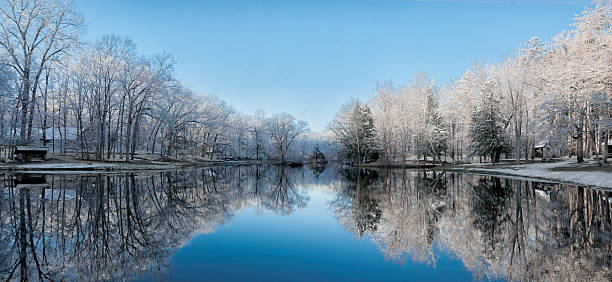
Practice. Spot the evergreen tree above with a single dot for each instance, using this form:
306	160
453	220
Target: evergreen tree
432	138
355	133
487	132
367	135
317	155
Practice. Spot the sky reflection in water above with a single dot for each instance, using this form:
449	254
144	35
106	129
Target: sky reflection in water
267	223
308	245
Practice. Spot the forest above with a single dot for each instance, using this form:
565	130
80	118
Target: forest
499	174
104	100
549	94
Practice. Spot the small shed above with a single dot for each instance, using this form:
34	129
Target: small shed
542	150
27	153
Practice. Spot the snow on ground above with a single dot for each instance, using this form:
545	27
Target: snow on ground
63	172
543	170
92	166
66	166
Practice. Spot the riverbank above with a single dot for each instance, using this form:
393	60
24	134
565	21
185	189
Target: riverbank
406	165
563	170
56	163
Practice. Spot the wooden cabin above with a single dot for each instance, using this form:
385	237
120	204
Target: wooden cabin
543	150
27	153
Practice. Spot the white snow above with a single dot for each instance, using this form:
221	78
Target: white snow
543	170
66	165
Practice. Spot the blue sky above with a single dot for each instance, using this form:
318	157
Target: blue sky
309	57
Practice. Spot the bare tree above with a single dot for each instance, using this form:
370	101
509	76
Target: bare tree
33	33
283	129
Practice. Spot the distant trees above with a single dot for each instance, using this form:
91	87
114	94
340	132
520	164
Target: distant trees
283	129
354	131
405	123
559	92
317	156
258	132
105	100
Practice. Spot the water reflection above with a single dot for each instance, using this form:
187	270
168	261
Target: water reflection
499	228
120	226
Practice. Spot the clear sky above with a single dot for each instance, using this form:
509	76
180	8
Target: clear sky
309	57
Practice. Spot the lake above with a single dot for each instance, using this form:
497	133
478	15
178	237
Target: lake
267	223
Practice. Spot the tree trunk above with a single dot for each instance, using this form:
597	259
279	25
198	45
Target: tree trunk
128	135
605	147
2	127
517	145
31	114
65	136
134	138
109	135
579	143
25	99
45	109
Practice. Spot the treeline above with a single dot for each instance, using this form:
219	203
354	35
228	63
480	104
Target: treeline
555	96
105	100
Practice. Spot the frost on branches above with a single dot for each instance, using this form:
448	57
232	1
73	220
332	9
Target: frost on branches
558	92
104	100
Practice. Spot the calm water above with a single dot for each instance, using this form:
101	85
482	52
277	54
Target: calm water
268	223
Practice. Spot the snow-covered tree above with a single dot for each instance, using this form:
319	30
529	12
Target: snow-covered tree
431	138
317	155
487	127
284	129
33	33
354	131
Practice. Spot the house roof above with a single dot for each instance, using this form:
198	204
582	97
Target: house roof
31	148
542	144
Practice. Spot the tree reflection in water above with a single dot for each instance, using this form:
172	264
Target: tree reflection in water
113	227
118	226
499	228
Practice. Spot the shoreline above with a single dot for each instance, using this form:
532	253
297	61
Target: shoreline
561	171
564	171
75	165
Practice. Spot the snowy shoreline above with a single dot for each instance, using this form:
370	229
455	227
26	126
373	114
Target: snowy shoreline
565	171
88	167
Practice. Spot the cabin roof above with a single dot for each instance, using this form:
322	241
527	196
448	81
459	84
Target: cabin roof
31	148
542	144
32	186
